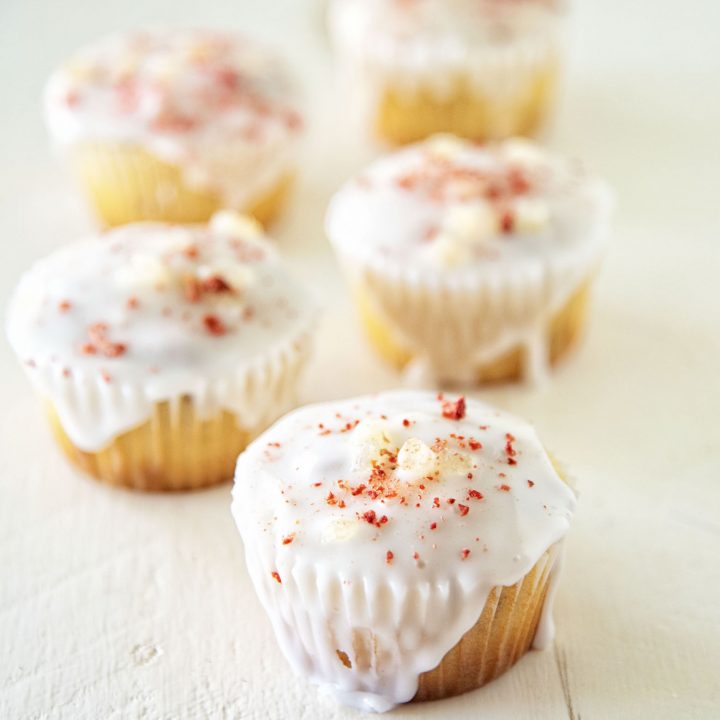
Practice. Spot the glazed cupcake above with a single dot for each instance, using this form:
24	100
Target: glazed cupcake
471	262
482	69
175	125
404	545
160	350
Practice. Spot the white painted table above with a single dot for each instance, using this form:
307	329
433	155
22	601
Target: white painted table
116	605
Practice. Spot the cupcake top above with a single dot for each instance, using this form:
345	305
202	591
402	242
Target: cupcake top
452	207
194	97
162	309
444	31
386	494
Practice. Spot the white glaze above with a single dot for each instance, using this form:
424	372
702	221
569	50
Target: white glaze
137	280
337	589
421	222
209	102
410	44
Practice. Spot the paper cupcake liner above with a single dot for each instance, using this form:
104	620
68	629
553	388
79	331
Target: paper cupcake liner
126	434
496	98
467	112
380	642
489	93
126	183
503	633
459	325
492	70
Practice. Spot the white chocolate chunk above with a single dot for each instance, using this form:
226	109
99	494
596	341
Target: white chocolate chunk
453	461
444	147
415	461
229	222
340	530
523	153
239	278
473	223
144	271
466	226
531	215
369	438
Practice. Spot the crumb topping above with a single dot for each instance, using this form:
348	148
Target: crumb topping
175	83
149	297
100	344
450	203
449	480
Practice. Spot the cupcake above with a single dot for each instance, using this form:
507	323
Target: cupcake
160	351
471	262
175	125
404	545
482	69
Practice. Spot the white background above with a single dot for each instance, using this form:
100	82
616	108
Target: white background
116	605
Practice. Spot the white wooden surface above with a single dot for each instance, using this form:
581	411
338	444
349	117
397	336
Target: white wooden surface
115	605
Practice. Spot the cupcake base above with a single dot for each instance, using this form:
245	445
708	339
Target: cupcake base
174	450
503	633
562	332
464	109
127	184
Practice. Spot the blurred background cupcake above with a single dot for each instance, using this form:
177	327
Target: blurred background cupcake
161	350
482	69
471	262
175	125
